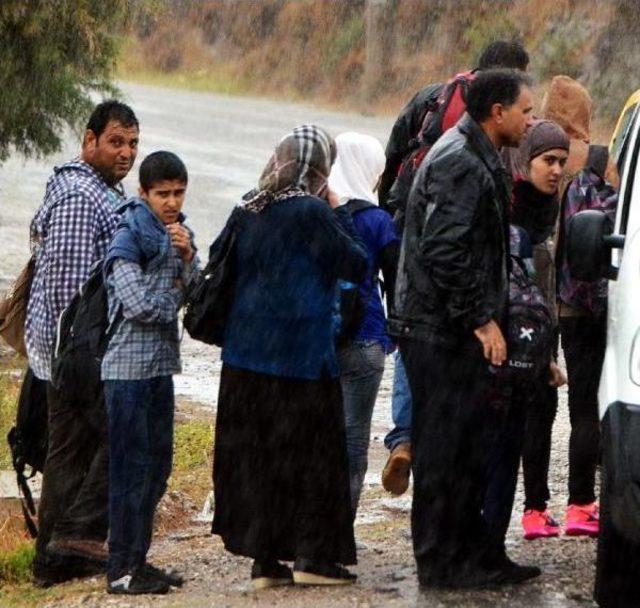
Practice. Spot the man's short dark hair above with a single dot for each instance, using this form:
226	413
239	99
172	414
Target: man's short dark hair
504	54
494	86
111	110
161	166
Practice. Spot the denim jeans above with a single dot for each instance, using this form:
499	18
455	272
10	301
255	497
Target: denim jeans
140	453
361	368
401	407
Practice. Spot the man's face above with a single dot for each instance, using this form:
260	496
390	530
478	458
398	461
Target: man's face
514	120
113	153
166	199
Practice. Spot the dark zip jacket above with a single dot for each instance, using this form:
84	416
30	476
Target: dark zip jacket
453	269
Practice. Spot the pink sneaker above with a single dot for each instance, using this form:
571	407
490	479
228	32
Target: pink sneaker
539	524
582	520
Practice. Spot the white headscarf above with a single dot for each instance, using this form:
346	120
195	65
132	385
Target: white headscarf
359	163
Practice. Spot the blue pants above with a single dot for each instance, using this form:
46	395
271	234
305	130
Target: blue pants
361	368
140	453
401	406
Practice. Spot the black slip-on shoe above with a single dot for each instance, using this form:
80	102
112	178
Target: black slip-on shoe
48	574
270	574
501	561
309	572
137	584
169	576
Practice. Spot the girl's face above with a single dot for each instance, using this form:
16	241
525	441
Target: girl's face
546	170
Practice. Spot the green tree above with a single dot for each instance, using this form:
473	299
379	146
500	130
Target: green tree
53	55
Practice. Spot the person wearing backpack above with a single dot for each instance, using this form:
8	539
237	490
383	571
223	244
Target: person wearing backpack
150	262
72	229
431	112
591	184
364	342
532	376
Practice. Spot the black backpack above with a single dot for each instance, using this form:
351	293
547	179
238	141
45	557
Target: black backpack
81	341
529	333
353	303
28	441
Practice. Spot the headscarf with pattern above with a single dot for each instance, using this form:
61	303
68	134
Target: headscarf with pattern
300	164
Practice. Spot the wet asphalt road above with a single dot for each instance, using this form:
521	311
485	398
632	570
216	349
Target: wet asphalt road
224	141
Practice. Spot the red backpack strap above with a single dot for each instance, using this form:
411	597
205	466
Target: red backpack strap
457	103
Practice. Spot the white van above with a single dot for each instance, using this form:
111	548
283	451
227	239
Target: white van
601	246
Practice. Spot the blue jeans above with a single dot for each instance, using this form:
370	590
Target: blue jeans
140	453
361	368
401	406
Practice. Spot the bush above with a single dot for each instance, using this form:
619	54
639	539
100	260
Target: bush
15	565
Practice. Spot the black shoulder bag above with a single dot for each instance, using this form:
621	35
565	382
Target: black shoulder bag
210	296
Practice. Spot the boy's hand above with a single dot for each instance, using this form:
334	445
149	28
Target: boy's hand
181	240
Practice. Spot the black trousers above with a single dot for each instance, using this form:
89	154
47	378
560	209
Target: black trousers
583	342
451	441
75	483
536	448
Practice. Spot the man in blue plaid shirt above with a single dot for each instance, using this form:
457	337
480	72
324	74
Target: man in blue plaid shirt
71	231
150	261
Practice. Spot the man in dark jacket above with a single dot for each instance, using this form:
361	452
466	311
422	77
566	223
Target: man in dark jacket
451	295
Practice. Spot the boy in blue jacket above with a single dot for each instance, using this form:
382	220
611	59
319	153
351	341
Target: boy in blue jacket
148	264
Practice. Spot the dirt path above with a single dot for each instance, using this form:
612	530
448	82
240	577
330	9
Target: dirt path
386	572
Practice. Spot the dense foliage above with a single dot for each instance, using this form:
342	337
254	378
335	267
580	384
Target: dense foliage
53	55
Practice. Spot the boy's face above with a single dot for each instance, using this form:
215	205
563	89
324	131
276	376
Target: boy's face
166	199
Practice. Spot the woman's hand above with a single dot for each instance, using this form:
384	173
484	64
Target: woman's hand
556	377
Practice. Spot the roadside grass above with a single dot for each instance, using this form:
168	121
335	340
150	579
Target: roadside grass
9	390
201	80
192	459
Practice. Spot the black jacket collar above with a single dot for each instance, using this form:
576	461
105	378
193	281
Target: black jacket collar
481	143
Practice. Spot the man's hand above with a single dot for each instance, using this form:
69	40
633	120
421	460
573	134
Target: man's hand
181	240
556	377
493	344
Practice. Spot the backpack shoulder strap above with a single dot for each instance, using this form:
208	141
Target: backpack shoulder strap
355	205
598	159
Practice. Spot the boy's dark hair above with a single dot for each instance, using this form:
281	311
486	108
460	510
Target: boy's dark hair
111	110
504	54
160	166
494	86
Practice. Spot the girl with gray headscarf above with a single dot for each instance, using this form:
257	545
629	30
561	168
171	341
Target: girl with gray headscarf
281	475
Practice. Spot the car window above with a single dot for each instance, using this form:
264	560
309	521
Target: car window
628	175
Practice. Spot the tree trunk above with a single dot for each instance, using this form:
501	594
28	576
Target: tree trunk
379	18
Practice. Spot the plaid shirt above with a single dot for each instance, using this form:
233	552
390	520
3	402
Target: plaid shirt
71	229
146	343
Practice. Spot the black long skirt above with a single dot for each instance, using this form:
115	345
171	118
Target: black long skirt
281	478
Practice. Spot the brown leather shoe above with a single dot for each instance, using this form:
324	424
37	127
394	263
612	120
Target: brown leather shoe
93	550
395	475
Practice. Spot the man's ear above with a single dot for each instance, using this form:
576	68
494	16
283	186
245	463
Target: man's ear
141	191
497	111
90	142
